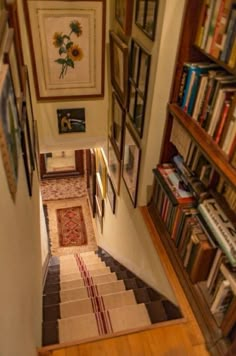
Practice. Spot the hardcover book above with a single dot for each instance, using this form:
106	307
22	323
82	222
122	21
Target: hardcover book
222	228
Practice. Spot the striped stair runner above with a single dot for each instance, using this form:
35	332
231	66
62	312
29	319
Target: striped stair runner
90	294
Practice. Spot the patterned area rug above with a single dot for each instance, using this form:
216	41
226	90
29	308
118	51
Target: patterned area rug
71	227
52	207
63	188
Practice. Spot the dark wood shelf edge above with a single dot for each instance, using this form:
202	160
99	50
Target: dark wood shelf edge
218	61
214	153
215	341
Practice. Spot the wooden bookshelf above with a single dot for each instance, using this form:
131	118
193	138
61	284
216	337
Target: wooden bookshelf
216	332
214	153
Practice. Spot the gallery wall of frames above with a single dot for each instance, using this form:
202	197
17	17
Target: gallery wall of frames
129	75
18	128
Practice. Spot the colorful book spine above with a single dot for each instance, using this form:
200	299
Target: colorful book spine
230	34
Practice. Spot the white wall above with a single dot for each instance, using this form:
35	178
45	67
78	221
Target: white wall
20	268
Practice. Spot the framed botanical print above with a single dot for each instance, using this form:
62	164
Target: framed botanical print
138	85
113	165
9	129
124	14
131	162
111	194
101	169
118	119
67	40
119	66
146	16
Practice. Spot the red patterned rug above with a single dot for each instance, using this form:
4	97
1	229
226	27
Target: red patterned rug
71	227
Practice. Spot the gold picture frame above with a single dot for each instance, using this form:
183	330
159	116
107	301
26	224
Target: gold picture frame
67	41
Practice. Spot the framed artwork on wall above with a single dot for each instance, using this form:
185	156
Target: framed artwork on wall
119	66
146	16
9	129
71	120
111	194
99	193
10	57
118	119
92	180
138	85
27	148
113	166
124	15
67	40
131	163
101	169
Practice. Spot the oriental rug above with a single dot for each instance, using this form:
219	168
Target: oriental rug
71	226
63	188
57	249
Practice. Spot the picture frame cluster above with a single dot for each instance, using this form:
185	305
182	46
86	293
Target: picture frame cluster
17	124
130	69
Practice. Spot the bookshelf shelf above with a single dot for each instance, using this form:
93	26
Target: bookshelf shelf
221	64
213	145
208	146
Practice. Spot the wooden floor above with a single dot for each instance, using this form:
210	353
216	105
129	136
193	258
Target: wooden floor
182	338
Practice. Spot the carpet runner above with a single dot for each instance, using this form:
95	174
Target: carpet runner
71	226
89	295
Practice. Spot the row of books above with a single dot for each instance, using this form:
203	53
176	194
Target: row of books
203	235
216	33
176	204
208	94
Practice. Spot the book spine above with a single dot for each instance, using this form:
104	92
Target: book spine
223	290
222	121
220	234
229	35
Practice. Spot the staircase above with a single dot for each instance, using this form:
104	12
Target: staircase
90	295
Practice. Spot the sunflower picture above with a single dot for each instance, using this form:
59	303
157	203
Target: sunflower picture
68	51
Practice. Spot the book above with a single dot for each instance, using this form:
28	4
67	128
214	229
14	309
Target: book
212	27
223	94
220	29
200	267
222	228
222	120
200	96
171	181
210	9
201	68
229	35
231	117
232	55
202	22
220	303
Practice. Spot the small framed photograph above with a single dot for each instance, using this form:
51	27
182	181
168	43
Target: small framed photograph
119	66
124	15
71	120
27	149
118	119
131	163
101	169
99	214
99	193
9	129
69	38
10	57
146	16
91	187
111	194
113	166
138	85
